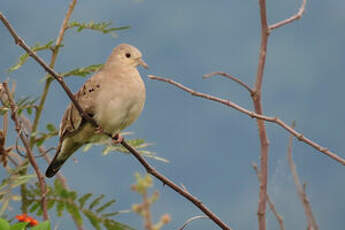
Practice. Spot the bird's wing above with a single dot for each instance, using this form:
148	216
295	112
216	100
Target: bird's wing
71	120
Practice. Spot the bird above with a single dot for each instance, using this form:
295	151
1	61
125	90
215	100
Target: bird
114	97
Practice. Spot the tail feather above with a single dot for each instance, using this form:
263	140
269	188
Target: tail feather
62	154
54	167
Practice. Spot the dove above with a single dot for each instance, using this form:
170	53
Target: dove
114	97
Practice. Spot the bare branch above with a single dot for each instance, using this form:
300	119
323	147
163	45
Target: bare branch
191	220
270	202
275	120
235	79
32	160
264	143
312	225
135	153
290	19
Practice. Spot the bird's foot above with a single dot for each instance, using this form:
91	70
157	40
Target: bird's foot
117	139
99	130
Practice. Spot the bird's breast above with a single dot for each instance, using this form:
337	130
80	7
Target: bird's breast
119	106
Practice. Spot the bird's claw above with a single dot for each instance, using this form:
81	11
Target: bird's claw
117	139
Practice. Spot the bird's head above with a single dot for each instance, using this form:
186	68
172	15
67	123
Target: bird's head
126	55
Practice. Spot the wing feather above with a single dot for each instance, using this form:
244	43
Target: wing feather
71	120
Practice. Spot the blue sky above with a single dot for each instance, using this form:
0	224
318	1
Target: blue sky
210	146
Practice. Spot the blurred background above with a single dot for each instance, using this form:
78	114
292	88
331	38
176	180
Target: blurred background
210	146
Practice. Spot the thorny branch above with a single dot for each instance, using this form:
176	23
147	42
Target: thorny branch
19	41
275	120
31	158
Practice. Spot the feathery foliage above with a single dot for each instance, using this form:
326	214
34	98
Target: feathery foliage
103	27
13	180
23	58
83	71
91	207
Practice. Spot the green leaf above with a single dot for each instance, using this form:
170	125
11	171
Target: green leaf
106	205
19	226
93	219
113	225
73	211
96	201
50	204
19	180
40	141
51	128
42	226
83	71
34	207
29	110
101	27
83	199
110	214
72	195
4	225
58	187
60	207
23	58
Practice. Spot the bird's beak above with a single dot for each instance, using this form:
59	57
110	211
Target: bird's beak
143	64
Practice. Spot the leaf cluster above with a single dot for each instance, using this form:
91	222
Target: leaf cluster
87	205
138	144
23	58
13	180
25	103
4	225
40	137
83	71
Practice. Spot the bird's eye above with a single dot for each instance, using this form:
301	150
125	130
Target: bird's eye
128	55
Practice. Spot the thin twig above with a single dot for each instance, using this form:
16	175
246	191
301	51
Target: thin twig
147	212
270	202
191	220
175	187
52	64
250	90
134	152
290	19
312	225
32	160
275	120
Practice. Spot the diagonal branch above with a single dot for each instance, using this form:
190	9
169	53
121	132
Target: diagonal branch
235	79
19	41
312	225
26	143
275	120
290	19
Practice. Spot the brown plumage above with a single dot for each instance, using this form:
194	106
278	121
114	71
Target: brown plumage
114	97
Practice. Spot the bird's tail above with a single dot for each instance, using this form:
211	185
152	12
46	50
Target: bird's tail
54	166
62	154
